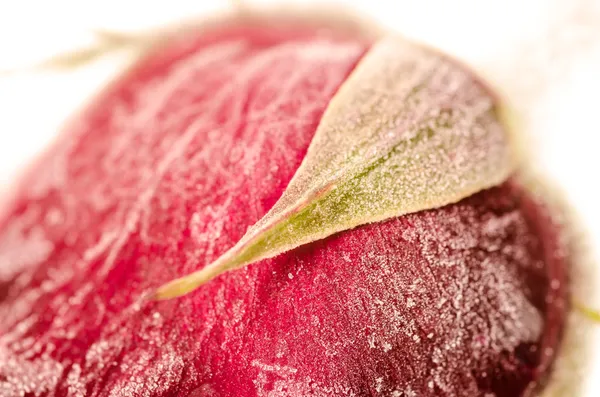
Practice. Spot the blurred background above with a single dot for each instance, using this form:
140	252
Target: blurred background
542	55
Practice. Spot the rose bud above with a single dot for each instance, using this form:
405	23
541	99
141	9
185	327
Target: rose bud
282	207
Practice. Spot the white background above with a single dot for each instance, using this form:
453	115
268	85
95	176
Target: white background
544	55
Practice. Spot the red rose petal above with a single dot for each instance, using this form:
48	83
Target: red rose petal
167	169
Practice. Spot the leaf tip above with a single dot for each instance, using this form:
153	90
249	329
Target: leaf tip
587	312
173	289
184	285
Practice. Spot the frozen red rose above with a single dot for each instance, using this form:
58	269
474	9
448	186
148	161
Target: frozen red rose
166	170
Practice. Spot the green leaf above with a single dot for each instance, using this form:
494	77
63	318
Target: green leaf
107	42
409	130
589	313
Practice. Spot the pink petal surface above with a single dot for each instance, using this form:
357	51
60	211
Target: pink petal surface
168	168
